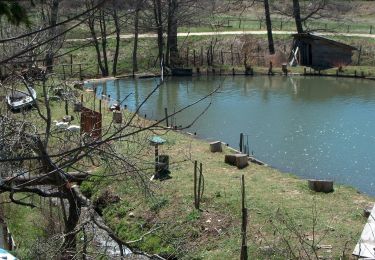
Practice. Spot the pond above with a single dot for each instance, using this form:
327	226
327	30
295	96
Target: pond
309	126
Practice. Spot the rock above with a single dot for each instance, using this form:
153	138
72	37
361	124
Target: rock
321	185
131	214
216	147
68	119
367	211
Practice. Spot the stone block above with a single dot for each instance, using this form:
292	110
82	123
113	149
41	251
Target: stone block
215	147
230	159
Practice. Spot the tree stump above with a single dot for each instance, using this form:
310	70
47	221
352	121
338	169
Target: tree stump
117	117
242	160
77	107
239	160
216	147
321	185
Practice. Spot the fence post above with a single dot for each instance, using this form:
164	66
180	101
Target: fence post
194	58
241	142
244	255
63	66
71	64
80	71
359	55
195	185
222	57
201	55
187	56
166	116
260	25
348	29
239	25
231	52
371	29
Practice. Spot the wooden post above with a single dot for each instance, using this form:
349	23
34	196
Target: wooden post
10	244
66	107
348	29
222	57
371	29
241	142
355	73
166	116
281	25
359	55
195	185
80	71
201	55
199	186
71	64
244	255
260	25
231	53
187	56
63	66
156	161
194	58
233	72
81	98
100	106
212	55
239	25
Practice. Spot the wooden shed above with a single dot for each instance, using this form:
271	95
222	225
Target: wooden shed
319	52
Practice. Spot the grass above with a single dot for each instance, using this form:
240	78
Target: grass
281	207
278	204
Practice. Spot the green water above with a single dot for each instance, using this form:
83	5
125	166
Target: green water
312	127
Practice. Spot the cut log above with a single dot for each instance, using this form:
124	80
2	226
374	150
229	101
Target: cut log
215	147
117	117
320	185
230	159
242	160
239	160
77	107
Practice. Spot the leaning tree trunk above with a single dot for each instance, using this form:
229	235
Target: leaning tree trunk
53	21
103	31
117	28
271	46
172	50
69	247
297	16
135	47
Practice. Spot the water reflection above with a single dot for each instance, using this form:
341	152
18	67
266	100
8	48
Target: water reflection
313	127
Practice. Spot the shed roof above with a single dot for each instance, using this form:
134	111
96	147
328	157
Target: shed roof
328	41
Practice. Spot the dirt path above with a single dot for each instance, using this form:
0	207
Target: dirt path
153	35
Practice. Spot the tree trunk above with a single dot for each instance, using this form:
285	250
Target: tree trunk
172	50
271	46
70	241
135	47
159	27
117	26
103	30
53	21
96	45
297	16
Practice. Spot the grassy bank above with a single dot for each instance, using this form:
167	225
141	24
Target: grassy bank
286	219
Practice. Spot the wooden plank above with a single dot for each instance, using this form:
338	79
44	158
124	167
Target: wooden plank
366	244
